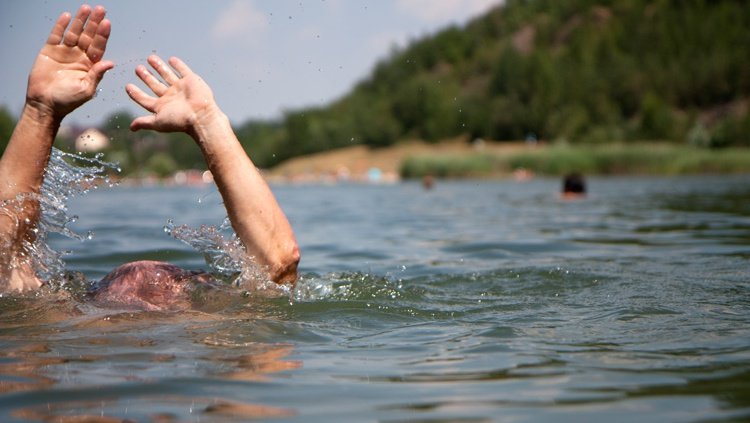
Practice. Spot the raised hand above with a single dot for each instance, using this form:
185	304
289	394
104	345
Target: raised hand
182	99
64	76
183	102
69	66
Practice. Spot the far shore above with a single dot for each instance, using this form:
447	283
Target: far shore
459	158
362	164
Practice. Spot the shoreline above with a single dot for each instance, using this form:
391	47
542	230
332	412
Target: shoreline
359	163
460	159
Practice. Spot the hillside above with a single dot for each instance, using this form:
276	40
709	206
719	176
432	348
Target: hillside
579	70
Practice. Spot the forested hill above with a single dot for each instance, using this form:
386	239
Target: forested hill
579	70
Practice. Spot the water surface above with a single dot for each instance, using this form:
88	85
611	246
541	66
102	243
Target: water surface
472	302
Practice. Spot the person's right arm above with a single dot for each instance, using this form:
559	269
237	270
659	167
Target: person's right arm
65	75
183	102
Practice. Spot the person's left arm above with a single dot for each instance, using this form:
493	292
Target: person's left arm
184	102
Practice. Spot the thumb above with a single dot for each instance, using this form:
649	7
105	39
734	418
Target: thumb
99	69
143	122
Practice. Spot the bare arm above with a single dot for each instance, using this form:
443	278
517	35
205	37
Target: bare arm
184	102
64	76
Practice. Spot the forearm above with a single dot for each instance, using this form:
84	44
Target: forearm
28	151
253	210
22	171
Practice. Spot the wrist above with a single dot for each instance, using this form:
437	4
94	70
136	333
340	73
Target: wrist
42	115
206	121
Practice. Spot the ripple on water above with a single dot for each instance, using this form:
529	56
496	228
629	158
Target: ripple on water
654	331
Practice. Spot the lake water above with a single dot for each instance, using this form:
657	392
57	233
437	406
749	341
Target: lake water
472	302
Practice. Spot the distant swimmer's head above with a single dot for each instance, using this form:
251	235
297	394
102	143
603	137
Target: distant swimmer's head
574	186
148	285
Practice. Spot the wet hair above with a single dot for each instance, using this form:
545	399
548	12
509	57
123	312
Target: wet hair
147	285
574	183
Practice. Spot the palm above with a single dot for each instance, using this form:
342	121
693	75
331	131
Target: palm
60	78
179	100
177	107
172	113
69	66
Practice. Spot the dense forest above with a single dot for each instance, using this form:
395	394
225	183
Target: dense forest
582	71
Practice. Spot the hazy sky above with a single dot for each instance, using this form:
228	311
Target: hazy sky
260	56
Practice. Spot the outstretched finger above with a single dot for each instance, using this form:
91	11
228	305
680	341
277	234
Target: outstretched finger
56	35
144	100
95	51
90	30
164	71
76	27
150	80
180	66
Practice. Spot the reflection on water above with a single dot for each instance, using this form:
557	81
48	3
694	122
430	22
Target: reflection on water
102	357
474	301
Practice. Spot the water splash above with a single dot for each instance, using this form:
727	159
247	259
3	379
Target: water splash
67	176
346	287
70	175
226	257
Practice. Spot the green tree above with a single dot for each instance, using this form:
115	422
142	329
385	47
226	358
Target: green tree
597	70
122	145
7	124
656	119
161	164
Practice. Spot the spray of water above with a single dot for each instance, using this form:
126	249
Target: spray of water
70	175
67	176
226	256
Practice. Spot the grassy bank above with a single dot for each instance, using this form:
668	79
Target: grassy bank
653	159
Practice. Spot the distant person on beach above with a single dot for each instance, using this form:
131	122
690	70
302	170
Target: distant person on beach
574	186
64	76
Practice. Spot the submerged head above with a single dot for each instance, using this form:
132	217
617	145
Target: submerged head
148	285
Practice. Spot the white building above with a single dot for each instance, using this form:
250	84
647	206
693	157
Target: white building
91	141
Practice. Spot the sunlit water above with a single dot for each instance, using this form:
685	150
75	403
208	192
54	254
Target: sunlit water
472	302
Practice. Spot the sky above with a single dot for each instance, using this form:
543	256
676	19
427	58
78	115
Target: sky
261	57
